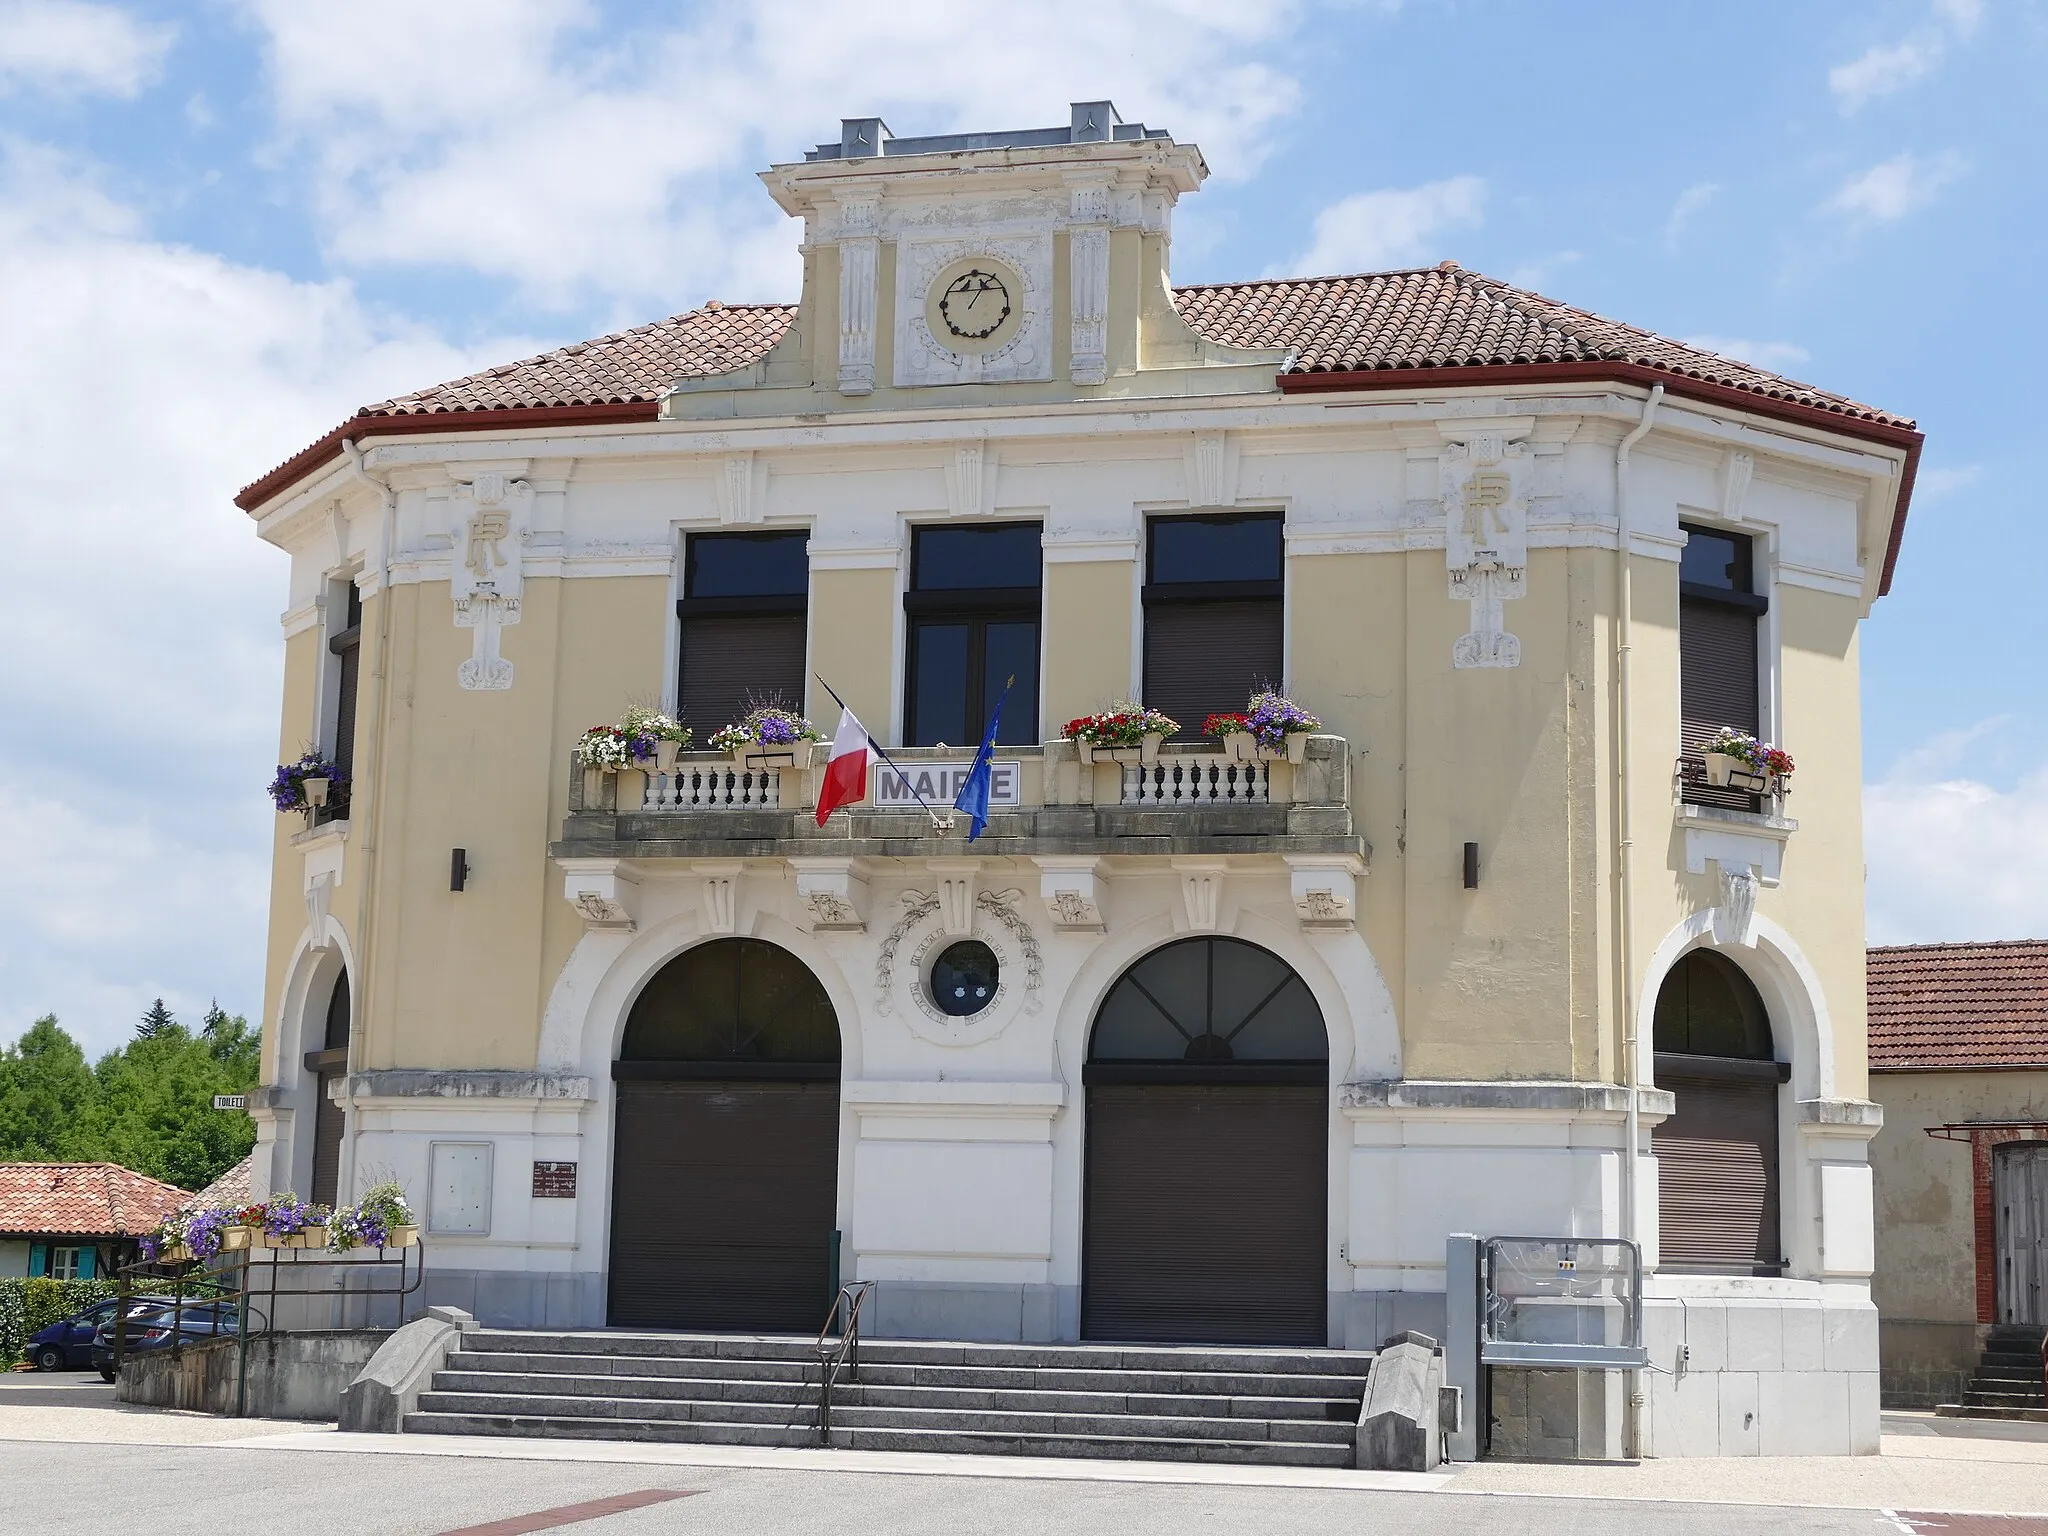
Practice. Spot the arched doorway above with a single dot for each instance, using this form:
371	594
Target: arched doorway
726	1152
1206	1208
1717	1156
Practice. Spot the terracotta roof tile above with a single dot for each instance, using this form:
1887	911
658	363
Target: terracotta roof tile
1432	317
1447	317
625	366
230	1189
1953	1007
82	1199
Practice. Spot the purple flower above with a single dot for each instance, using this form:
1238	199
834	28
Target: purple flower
776	731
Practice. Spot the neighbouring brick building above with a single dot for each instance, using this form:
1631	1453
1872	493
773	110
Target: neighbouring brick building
1959	1060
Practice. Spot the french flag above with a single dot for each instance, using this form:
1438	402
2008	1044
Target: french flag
846	770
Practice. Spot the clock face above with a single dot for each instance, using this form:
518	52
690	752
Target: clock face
975	305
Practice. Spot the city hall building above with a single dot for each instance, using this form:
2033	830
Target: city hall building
1182	1048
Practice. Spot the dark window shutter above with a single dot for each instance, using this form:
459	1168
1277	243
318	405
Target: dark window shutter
1717	1176
1717	650
734	661
1203	659
1205	1214
327	1126
723	1204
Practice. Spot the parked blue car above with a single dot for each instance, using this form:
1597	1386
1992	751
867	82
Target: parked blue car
152	1327
67	1346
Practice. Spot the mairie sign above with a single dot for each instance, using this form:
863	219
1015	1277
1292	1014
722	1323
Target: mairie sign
940	783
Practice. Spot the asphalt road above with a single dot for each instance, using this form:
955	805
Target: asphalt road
173	1490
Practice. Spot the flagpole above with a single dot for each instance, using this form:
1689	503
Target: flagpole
943	824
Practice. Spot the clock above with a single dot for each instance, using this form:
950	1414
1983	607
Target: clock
975	306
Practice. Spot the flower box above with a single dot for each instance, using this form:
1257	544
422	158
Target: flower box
1725	771
404	1236
305	1237
792	754
1244	747
665	756
1147	751
233	1239
174	1253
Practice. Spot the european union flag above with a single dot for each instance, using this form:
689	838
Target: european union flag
975	792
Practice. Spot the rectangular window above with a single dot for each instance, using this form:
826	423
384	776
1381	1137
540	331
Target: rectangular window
973	607
64	1264
1215	616
1718	654
346	646
743	614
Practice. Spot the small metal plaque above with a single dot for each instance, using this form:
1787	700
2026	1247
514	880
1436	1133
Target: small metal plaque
231	1101
554	1181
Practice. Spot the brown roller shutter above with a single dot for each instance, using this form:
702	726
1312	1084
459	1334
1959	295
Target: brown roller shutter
1206	1214
1204	659
327	1126
722	1205
1717	669
733	661
1717	1176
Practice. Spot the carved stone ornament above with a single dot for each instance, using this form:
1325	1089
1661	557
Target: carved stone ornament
924	357
918	938
1088	284
1735	918
859	262
834	892
1485	487
737	502
1325	891
603	891
1072	890
319	901
721	894
486	580
956	894
1201	891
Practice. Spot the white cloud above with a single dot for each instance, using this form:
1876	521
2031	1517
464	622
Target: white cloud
1691	202
1535	276
510	137
1773	356
1952	857
1896	187
1883	69
1935	483
63	46
138	708
1393	227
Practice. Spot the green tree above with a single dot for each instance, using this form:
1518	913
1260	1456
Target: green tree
46	1090
156	1018
153	1109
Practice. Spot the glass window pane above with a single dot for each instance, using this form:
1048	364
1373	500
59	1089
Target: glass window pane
951	559
938	706
732	999
1713	559
1011	650
1161	1009
747	565
1708	1007
1215	548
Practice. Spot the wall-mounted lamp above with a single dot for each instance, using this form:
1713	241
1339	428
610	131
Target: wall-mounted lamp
458	869
1471	866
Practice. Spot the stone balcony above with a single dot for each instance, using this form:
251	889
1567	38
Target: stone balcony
1193	801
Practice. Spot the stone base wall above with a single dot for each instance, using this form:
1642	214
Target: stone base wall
1926	1364
290	1376
1556	1415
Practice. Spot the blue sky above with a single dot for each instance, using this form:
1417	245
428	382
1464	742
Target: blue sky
223	225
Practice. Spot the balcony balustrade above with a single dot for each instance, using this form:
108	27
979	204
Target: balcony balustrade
1193	799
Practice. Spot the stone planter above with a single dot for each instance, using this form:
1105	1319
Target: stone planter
1243	747
665	756
1147	752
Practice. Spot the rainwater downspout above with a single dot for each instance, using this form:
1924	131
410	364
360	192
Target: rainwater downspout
379	717
1624	854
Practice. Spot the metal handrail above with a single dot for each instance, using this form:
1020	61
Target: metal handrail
845	1353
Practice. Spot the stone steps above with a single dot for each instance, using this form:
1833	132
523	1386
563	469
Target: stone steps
1295	1407
2007	1383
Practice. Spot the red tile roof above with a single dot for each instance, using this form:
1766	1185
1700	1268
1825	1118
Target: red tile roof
82	1199
1404	327
1959	1007
230	1189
